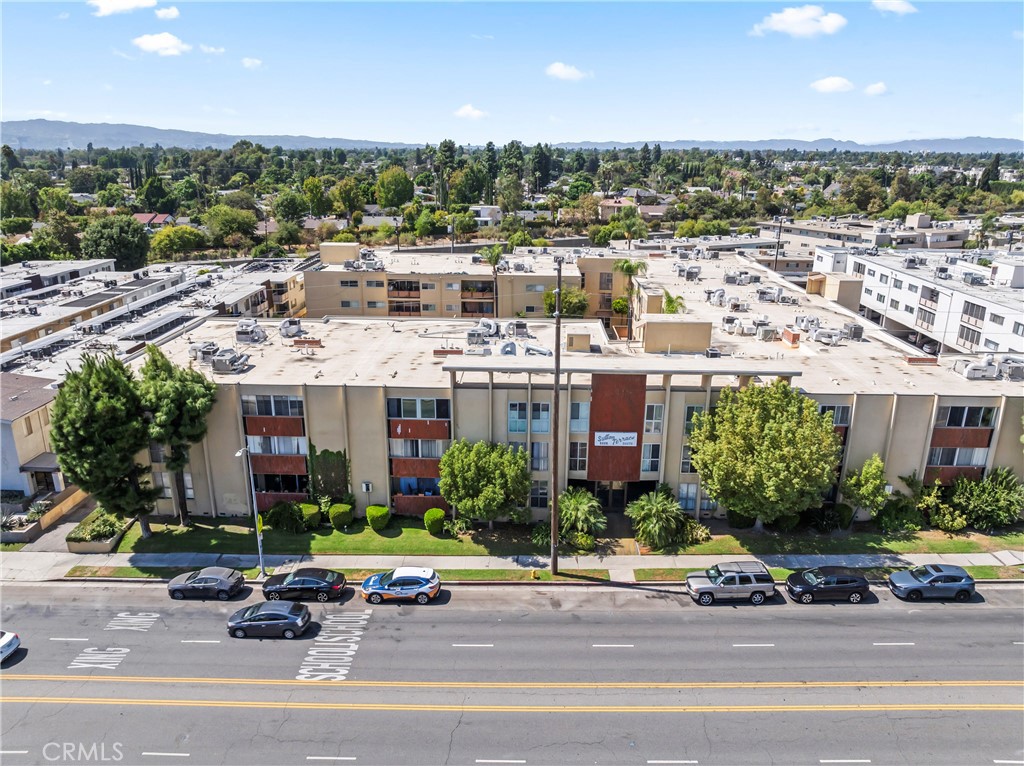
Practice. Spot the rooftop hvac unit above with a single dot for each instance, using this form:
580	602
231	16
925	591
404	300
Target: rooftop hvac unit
249	331
853	331
478	351
508	348
203	352
766	333
712	353
537	350
289	328
910	262
228	360
517	329
476	336
692	273
1012	370
746	329
519	265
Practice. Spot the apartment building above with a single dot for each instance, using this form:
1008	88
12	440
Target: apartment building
918	231
26	457
942	303
29	276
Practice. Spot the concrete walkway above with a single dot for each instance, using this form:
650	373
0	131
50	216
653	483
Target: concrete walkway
38	566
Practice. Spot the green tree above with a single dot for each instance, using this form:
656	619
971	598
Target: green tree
484	481
58	237
866	488
581	185
120	237
493	255
989	174
579	512
630	268
425	224
316	198
178	400
112	196
290	207
490	163
574	302
510	193
54	199
394	188
995	501
765	452
644	162
672	304
172	241
289	233
347	197
98	427
657	519
224	221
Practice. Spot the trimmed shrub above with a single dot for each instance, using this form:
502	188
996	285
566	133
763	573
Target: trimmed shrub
433	521
692	532
947	518
98	525
582	541
786	523
540	534
286	517
310	516
377	516
340	515
739	521
846	513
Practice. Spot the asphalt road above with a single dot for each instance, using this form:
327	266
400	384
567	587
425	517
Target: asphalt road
119	673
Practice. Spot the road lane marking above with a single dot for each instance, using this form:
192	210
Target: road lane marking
1007	761
330	757
25	752
1019	643
847	760
169	755
474	645
672	762
187	641
423	708
516	684
741	646
893	643
611	646
495	760
69	639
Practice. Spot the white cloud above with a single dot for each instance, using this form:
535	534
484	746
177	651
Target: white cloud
166	14
561	71
210	49
163	44
110	7
899	7
876	89
469	112
482	37
47	82
63	16
250	63
122	54
832	85
806	21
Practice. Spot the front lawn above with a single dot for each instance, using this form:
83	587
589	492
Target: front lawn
12	546
155	573
404	536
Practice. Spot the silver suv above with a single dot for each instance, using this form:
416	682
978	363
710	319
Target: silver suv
733	580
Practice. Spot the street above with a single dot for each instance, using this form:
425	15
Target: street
117	672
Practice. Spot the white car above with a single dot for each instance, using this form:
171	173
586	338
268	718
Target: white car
9	643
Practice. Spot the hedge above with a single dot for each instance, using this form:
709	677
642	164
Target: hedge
377	516
16	225
340	515
310	516
433	521
286	517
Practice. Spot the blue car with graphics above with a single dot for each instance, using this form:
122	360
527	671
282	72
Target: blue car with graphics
404	583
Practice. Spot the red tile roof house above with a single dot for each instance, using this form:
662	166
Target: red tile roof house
154	220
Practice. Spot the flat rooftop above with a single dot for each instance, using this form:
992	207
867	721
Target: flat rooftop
398	264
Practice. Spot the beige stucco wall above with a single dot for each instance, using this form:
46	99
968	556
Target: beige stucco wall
681	336
910	437
1006	447
366	412
339	252
843	290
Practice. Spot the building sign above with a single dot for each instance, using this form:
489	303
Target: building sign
614	439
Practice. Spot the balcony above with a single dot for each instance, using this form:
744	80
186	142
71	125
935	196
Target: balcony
274	425
294	465
416	467
948	474
403	293
476	294
404	311
407	428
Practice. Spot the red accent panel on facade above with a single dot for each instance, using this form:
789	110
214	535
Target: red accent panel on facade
961	437
947	474
416	505
286	464
267	500
416	467
267	425
616	404
399	428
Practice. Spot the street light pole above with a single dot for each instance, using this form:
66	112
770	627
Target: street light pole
255	515
398	233
778	245
556	432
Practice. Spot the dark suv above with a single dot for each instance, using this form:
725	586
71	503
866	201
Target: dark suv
833	583
747	580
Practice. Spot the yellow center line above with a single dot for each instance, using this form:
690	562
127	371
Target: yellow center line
286	705
515	684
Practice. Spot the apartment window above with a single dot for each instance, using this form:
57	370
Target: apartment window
539	494
530	310
280	406
868	291
350	304
858	268
969	336
517	417
991	345
688	499
871	272
966	417
452	286
606	303
686	464
691	410
428	285
974	311
535	288
908	308
577	456
884	279
897	283
925	318
162	482
348	283
893	303
156	453
650	459
579	417
958	456
190	492
45	416
428	307
840	413
1018	328
606	281
27	422
419	409
376	305
652	418
539	456
276	445
912	288
879	297
996	319
540	417
431	448
375	283
451	308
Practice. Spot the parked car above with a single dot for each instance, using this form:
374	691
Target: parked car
402	583
211	581
269	618
732	580
932	581
827	583
320	584
9	643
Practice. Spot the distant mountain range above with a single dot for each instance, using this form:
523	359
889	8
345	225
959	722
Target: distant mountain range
53	134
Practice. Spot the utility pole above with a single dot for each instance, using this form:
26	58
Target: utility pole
556	430
778	245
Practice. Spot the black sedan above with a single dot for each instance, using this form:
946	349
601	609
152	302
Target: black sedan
269	618
834	583
320	584
207	583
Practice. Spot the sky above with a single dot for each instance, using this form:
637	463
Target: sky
418	72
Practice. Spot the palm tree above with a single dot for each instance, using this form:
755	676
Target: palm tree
657	519
672	304
579	512
493	254
630	268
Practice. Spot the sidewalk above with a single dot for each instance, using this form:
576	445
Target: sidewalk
41	566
